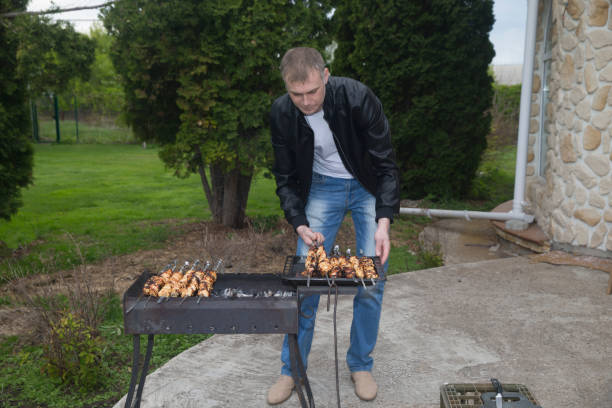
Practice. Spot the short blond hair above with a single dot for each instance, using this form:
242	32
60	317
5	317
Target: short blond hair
297	63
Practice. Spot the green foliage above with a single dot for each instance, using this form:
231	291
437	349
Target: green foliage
15	148
51	54
505	115
429	257
200	77
507	99
407	252
23	385
494	182
427	62
263	223
101	94
74	354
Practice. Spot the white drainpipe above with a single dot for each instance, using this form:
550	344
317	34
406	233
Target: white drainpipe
469	215
516	219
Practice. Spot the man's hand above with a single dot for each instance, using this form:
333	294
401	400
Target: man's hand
381	237
309	236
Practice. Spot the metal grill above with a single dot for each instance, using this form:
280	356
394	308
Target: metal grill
239	303
472	395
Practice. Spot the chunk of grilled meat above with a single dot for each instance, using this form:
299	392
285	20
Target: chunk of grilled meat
176	276
166	274
166	291
205	280
153	285
191	289
354	261
186	278
335	272
369	270
324	267
310	265
321	255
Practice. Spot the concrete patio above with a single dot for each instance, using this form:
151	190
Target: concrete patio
548	327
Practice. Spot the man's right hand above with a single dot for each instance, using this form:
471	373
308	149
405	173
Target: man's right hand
309	236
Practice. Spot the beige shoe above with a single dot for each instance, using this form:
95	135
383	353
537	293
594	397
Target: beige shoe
281	391
365	386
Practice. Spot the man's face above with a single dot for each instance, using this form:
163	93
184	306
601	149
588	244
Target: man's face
308	96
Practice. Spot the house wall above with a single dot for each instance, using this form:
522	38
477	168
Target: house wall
571	197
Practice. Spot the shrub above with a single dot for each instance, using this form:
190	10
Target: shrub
264	223
73	353
428	63
505	115
67	313
16	152
430	258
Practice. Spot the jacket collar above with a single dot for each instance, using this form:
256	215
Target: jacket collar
328	102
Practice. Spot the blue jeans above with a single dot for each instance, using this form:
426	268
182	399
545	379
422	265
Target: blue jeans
328	202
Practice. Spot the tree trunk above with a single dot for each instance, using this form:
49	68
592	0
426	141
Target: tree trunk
228	195
217	180
235	195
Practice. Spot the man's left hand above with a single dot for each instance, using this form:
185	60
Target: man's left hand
381	237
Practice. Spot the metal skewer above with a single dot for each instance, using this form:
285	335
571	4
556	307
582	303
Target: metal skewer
203	270
192	268
134	305
314	245
337	255
146	301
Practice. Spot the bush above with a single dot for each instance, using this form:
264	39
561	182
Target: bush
67	314
505	115
15	149
74	353
264	223
428	63
430	258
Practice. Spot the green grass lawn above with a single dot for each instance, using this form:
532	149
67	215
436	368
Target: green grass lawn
111	199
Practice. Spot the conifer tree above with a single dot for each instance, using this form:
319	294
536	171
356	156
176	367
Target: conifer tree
15	148
200	77
427	61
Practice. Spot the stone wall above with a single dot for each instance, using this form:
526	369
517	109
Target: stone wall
572	200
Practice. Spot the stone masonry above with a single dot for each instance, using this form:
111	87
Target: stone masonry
570	188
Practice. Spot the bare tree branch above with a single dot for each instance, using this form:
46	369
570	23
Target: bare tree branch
54	11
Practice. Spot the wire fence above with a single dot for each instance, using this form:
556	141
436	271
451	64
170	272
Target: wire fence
61	119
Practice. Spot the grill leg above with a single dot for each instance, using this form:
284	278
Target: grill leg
145	369
135	361
143	374
297	368
300	365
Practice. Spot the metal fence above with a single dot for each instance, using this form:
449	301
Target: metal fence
61	119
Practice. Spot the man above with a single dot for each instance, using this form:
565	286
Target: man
333	155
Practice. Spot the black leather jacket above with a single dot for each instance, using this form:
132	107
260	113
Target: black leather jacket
361	134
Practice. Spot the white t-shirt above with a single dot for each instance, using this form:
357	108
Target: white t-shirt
327	161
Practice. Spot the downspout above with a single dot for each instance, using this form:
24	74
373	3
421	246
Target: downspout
524	116
516	219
